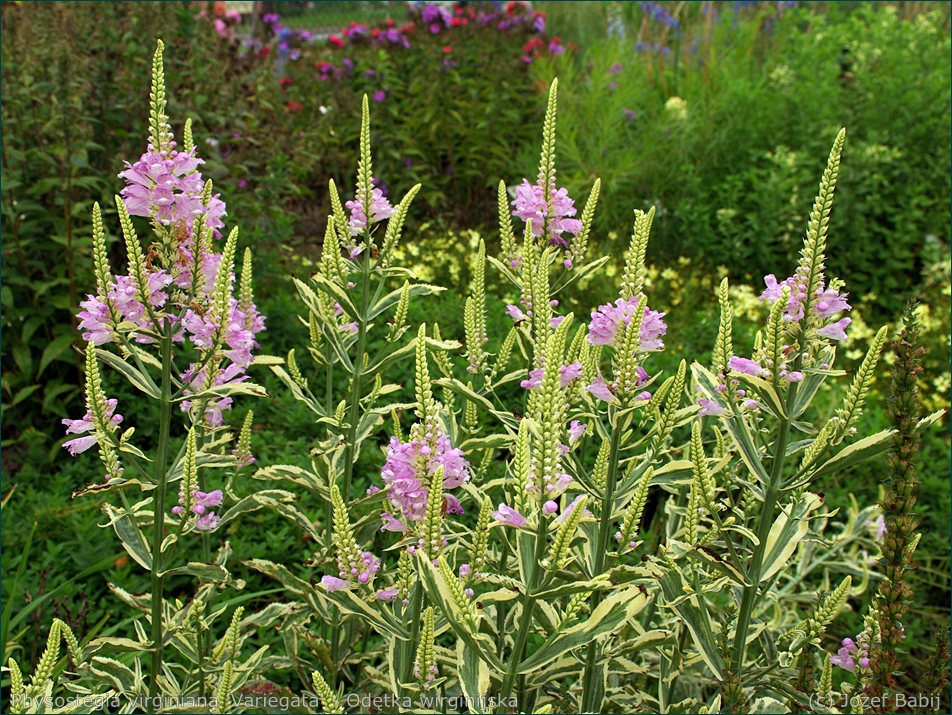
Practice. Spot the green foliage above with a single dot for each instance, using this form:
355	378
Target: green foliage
721	130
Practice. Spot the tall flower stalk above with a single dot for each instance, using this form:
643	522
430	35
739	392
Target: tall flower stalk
178	290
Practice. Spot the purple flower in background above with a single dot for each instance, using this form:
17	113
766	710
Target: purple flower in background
612	85
379	95
615	69
631	114
270	17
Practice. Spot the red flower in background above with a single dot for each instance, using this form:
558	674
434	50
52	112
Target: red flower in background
447	48
389	22
408	28
375	32
336	41
456	22
285	82
264	52
533	46
292	107
511	7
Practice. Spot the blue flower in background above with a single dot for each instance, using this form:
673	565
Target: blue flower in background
659	14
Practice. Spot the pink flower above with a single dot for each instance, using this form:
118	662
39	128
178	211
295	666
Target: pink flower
604	328
464	571
837	330
830	303
752	404
208	522
332	583
391	523
569	373
95	321
408	466
534	381
531	204
710	408
387	594
86	424
600	390
515	313
509	516
550	507
748	367
576	430
380	209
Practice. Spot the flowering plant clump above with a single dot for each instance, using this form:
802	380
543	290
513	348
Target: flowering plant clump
177	300
625	539
450	544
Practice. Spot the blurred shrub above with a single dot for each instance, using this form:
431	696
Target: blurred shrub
717	113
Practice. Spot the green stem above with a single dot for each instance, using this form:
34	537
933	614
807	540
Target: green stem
416	606
358	374
601	552
528	610
763	531
158	505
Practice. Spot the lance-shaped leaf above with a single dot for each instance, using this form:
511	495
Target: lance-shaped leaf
786	533
857	452
204	572
391	299
281	574
139	380
765	391
129	533
349	602
608	616
580	273
464	390
440	594
299	394
735	424
473	675
695	618
333	290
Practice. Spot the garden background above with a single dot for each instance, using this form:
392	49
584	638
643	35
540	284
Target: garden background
720	114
